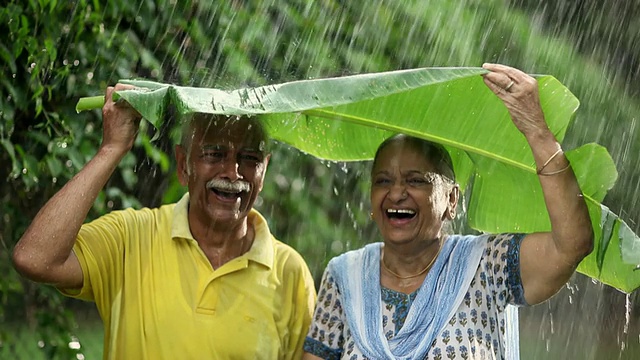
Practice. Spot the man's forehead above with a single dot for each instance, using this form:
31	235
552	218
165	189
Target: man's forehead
225	144
227	122
230	128
228	132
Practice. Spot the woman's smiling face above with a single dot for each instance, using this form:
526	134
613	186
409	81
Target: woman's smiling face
410	201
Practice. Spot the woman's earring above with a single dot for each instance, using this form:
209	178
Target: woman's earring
371	215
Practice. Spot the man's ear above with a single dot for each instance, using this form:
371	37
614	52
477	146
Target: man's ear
266	161
454	195
182	168
264	170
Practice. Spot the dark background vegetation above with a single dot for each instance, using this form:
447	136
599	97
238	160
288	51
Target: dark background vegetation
53	52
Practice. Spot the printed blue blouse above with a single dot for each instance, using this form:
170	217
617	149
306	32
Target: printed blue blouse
477	331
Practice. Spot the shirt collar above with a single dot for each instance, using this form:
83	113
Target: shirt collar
261	250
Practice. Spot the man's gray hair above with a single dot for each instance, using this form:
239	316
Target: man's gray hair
188	122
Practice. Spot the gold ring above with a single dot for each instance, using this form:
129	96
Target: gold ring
509	86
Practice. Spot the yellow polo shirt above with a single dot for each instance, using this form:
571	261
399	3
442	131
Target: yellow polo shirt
160	298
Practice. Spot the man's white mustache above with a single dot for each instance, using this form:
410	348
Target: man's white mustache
229	186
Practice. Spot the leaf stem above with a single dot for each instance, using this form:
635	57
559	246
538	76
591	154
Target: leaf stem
90	103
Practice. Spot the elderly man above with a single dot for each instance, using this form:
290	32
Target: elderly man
202	278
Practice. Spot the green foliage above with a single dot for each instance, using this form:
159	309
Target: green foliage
53	52
345	118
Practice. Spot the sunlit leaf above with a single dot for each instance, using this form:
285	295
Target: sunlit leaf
346	118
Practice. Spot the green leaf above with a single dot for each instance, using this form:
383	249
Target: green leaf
55	165
29	166
8	58
77	160
346	118
607	224
621	248
15	169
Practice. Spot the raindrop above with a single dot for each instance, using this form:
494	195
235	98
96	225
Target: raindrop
297	185
74	344
259	201
627	314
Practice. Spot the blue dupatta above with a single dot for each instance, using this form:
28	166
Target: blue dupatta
357	274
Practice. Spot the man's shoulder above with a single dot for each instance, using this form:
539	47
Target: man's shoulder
151	211
142	215
288	257
283	249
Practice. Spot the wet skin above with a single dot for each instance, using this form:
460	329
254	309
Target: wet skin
410	201
229	152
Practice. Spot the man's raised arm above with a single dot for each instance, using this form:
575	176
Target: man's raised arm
44	254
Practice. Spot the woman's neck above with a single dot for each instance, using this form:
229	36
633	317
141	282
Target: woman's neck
403	268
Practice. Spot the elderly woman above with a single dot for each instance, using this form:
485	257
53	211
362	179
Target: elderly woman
421	294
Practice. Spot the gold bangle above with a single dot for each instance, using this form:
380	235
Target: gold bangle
539	171
555	172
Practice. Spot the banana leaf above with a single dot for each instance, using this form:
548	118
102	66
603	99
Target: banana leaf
346	118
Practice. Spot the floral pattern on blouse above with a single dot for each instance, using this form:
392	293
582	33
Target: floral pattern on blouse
477	331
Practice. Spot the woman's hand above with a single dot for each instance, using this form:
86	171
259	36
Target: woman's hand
519	93
120	121
547	259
